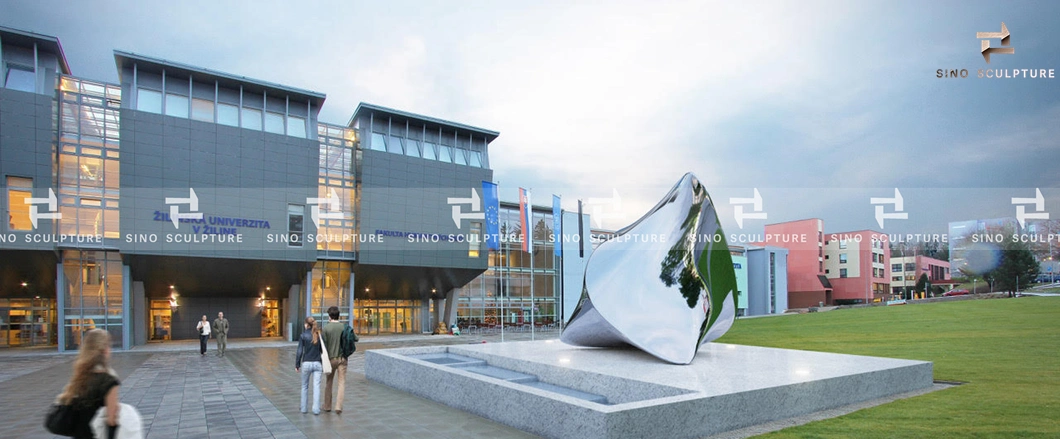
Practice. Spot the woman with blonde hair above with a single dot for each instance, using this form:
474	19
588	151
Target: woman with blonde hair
93	385
307	361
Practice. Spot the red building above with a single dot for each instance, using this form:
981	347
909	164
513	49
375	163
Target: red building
807	284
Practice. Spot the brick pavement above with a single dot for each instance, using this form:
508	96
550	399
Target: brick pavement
252	393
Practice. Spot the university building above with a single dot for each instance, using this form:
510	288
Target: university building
138	207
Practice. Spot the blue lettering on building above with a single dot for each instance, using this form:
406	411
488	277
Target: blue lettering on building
217	225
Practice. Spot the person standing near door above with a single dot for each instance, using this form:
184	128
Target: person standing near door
220	327
204	334
333	341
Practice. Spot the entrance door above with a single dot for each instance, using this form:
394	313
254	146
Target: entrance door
270	318
27	322
161	318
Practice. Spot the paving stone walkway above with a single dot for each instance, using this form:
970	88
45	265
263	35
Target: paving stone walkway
252	392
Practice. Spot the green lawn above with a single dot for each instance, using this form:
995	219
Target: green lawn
1006	350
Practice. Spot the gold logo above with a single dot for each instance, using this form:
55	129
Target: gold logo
987	36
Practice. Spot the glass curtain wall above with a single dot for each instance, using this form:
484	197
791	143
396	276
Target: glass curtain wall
92	292
338	160
89	158
331	287
387	317
503	293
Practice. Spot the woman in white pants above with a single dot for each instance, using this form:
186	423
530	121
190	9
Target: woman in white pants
307	361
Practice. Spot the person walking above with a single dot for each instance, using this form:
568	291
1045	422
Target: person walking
307	362
93	385
333	341
204	334
220	329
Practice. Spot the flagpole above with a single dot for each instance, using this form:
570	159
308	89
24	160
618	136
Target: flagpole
507	282
530	236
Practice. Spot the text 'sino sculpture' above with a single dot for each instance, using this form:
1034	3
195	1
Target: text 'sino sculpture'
664	284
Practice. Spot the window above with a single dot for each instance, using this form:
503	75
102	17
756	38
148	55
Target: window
412	148
176	105
896	278
474	242
296	126
202	109
843	272
149	101
459	157
428	151
445	154
826	271
395	145
273	122
842	243
910	266
18	189
827	257
251	119
295	226
20	78
228	115
896	268
842	258
476	159
378	142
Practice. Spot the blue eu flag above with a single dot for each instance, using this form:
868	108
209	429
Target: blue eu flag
492	206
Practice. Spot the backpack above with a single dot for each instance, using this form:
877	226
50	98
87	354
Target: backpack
347	341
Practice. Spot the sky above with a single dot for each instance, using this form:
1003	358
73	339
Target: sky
818	105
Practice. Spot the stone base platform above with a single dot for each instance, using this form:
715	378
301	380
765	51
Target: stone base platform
555	390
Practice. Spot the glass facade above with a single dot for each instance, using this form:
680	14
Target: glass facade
92	295
339	162
89	158
387	317
330	287
503	293
27	322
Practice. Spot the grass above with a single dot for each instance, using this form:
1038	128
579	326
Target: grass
1006	350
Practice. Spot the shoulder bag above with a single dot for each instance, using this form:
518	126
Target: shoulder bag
61	419
325	360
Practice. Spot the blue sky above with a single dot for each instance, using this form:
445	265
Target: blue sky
819	105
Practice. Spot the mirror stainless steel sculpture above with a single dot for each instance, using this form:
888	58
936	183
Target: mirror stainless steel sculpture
664	284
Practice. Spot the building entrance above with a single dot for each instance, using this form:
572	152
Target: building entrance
27	322
387	317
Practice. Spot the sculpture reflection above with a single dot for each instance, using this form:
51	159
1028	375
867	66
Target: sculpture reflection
690	301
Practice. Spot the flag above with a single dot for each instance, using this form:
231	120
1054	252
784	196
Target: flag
492	207
581	242
524	218
557	226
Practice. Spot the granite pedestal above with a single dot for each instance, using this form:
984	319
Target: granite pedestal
559	391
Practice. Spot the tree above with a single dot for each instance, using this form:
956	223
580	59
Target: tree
1016	262
921	283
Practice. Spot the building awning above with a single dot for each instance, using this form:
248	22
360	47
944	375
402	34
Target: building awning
824	281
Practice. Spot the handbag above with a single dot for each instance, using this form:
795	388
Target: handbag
61	419
325	360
